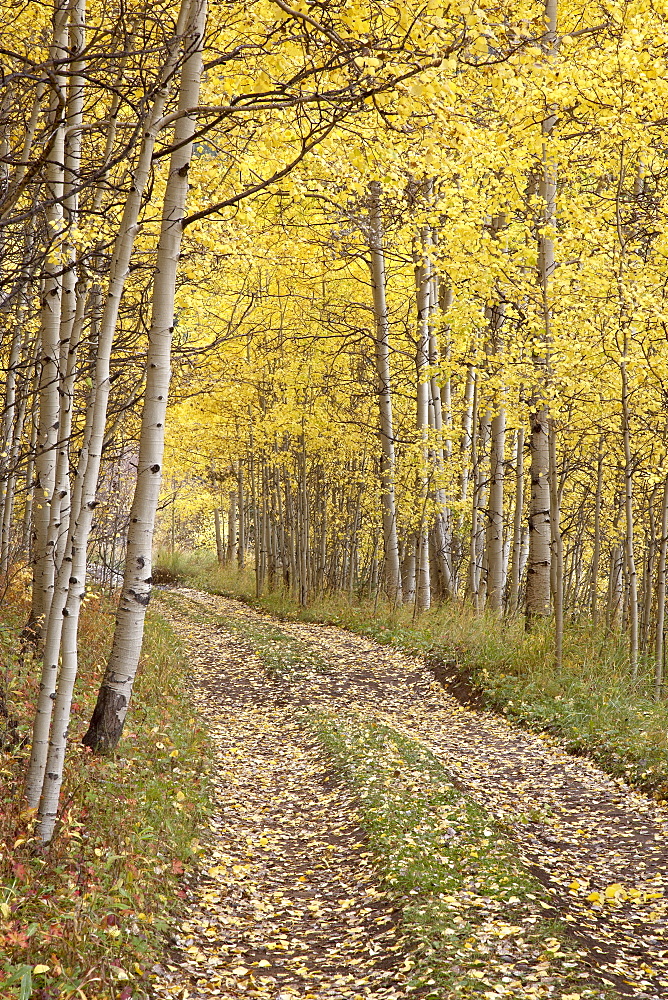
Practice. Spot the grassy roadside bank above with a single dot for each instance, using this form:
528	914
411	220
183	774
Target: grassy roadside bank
591	704
86	918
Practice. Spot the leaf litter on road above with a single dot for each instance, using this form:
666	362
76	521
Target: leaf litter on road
288	902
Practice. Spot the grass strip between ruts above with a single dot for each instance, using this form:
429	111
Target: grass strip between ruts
480	925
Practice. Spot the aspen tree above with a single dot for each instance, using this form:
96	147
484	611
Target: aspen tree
382	357
440	420
47	435
596	555
220	550
74	294
69	585
518	516
232	541
423	280
652	544
241	551
495	552
114	696
659	637
538	570
557	551
17	400
630	560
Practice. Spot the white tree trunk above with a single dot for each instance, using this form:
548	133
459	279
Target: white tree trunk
661	597
538	569
440	412
382	355
557	552
495	552
85	487
538	573
114	696
241	552
630	525
47	434
422	289
232	540
220	549
516	555
12	428
596	555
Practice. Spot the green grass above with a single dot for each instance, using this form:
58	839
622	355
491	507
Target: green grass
473	919
282	655
94	906
591	703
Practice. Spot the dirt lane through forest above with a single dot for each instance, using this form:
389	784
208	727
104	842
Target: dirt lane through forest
600	848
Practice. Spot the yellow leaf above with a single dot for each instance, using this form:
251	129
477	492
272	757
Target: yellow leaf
615	891
594	897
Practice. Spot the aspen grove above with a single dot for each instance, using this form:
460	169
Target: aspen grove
406	266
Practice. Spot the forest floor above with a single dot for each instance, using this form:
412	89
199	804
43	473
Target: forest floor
374	838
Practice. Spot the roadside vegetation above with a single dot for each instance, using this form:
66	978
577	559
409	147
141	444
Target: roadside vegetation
86	916
590	703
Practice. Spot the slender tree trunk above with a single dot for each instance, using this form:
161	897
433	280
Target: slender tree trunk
615	588
476	473
518	514
466	465
241	551
409	568
47	436
496	312
422	288
440	414
114	696
495	525
482	499
232	538
659	638
538	573
26	528
596	555
382	355
538	569
648	569
16	404
220	551
557	553
630	525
